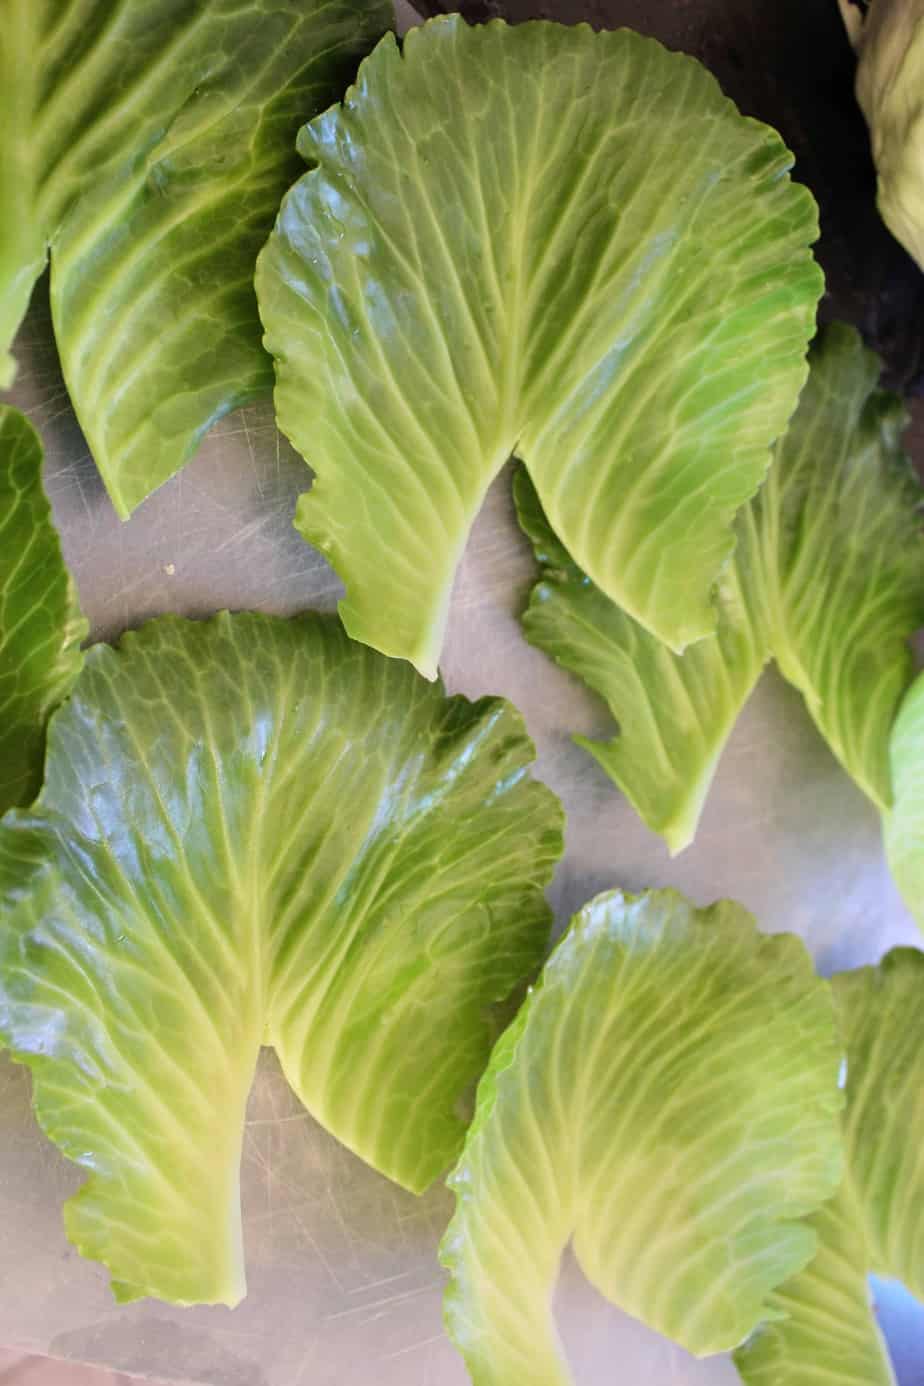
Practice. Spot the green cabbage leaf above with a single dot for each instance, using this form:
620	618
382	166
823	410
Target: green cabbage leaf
544	241
41	625
827	578
254	832
825	1332
667	1100
904	822
889	38
147	144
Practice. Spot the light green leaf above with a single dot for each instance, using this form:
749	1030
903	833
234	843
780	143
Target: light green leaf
255	832
844	556
889	38
548	241
674	713
825	1332
828	577
148	143
667	1099
903	825
41	625
882	1019
829	1335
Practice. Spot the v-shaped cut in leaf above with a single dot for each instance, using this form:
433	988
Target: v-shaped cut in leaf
548	241
827	578
41	625
667	1099
255	832
825	1332
147	143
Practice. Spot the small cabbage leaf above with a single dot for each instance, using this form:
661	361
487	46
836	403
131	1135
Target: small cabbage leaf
253	831
904	822
41	625
889	38
828	578
825	1330
148	143
674	713
548	241
667	1099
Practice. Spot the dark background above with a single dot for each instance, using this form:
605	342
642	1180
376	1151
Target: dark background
788	62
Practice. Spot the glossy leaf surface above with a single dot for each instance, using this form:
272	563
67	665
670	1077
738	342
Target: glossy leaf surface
255	832
147	143
544	241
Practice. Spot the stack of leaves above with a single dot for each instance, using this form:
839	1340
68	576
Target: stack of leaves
827	579
668	1101
542	241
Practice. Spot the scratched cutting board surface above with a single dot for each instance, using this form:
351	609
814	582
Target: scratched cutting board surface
344	1284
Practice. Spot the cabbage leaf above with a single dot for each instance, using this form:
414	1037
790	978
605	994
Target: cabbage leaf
889	38
544	241
41	625
826	1332
667	1099
827	578
148	143
253	831
904	822
674	713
